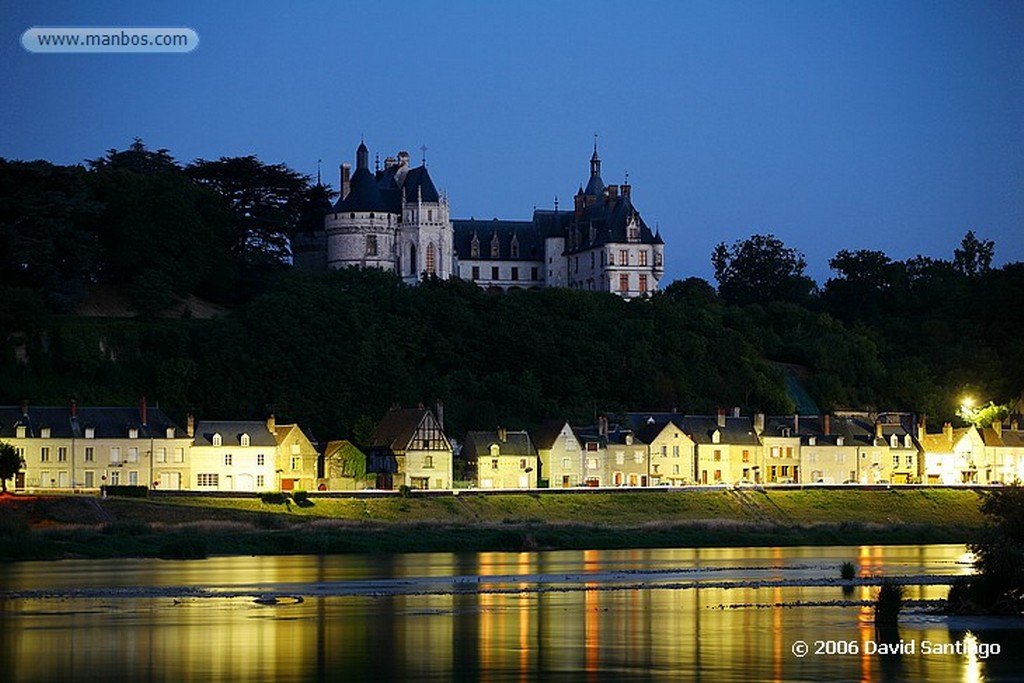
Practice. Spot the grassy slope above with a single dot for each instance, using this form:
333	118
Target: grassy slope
87	527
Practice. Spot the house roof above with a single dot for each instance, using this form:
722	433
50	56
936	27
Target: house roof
284	432
516	443
107	422
397	428
544	437
231	432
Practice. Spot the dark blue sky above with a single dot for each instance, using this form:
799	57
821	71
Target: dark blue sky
892	125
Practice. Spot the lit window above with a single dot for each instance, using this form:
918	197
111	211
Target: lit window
431	259
205	479
161	455
642	257
244	440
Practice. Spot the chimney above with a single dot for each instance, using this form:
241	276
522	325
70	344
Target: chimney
24	408
736	411
390	162
796	424
403	158
143	412
878	430
1014	425
602	425
759	423
947	431
346	179
613	192
826	424
271	424
74	409
721	417
997	427
578	206
439	411
922	423
190	425
502	434
626	189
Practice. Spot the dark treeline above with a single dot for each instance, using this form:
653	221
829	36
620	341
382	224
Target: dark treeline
335	350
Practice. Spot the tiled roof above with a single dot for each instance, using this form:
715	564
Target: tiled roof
108	422
515	443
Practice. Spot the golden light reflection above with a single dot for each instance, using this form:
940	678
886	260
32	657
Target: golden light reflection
973	672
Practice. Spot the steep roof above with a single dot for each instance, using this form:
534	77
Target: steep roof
364	194
107	422
418	180
544	437
397	428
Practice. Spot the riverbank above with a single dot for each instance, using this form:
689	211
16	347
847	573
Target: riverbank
171	527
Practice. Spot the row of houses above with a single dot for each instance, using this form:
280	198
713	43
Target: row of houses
84	448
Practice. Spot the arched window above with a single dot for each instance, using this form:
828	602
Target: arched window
217	441
412	259
474	247
494	245
245	440
431	259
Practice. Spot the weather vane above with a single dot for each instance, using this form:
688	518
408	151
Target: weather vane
423	150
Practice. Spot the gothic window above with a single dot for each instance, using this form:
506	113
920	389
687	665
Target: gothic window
431	259
623	257
371	245
515	246
412	259
634	230
474	247
494	245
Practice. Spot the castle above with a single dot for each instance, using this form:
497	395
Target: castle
393	218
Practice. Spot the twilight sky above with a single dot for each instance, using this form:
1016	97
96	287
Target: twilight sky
834	124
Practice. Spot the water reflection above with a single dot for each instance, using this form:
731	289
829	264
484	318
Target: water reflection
585	632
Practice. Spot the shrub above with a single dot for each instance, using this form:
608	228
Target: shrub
274	498
301	498
404	491
848	571
127	491
889	603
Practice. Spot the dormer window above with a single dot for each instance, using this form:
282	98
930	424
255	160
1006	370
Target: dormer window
44	432
515	246
633	228
170	432
716	436
217	440
474	247
244	440
906	441
495	450
839	441
133	432
893	441
812	440
19	432
494	246
90	432
786	431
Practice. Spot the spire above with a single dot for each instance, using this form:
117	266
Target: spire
318	162
595	160
362	157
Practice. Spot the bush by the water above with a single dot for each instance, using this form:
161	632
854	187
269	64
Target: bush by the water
301	498
997	587
889	603
848	571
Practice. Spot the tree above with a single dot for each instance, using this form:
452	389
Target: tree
759	270
998	584
266	202
974	257
985	415
10	462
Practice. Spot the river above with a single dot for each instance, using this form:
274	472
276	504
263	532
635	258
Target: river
711	614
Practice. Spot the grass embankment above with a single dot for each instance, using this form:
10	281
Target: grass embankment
192	527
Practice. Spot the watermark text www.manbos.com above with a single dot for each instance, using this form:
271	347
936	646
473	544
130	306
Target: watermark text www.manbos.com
968	647
109	40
